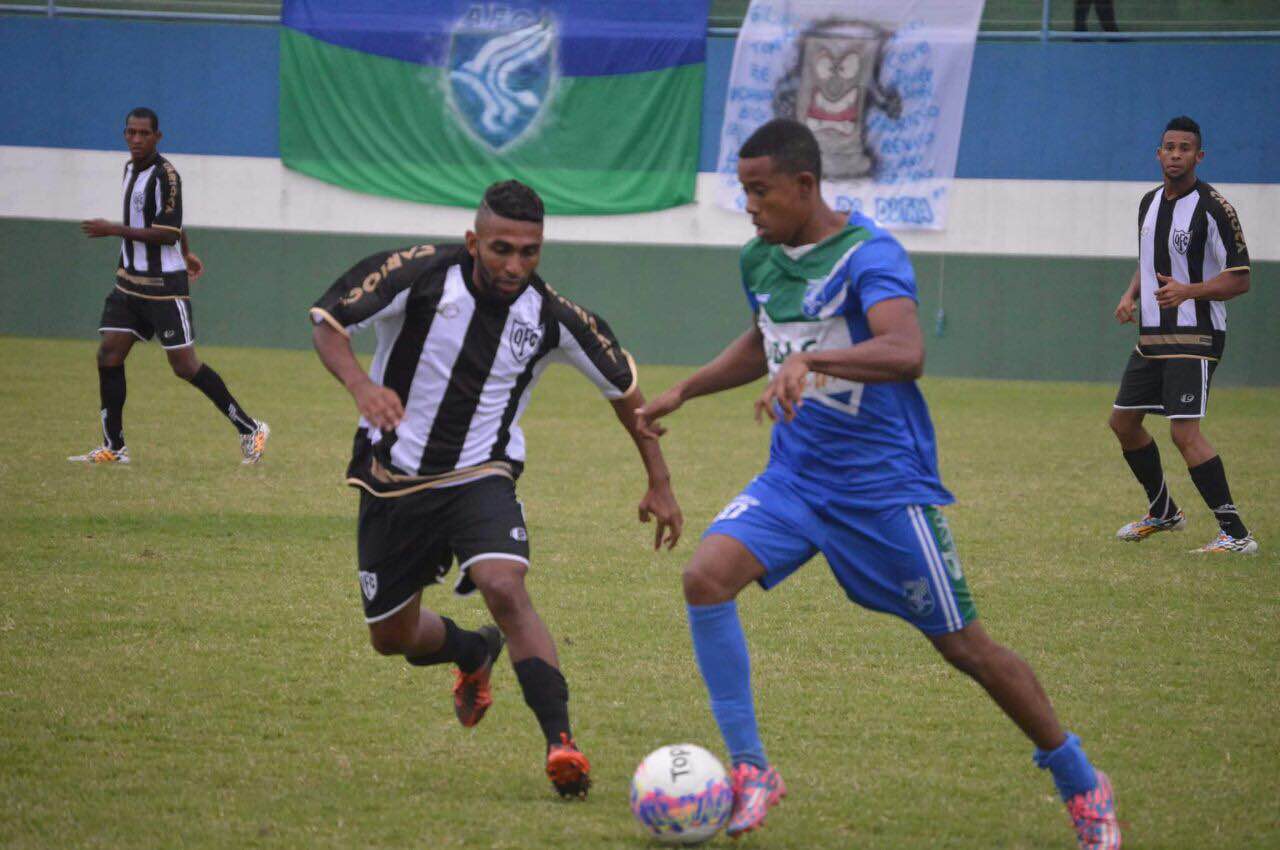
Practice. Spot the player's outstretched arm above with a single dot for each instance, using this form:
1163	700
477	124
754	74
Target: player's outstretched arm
377	404
659	501
97	228
741	362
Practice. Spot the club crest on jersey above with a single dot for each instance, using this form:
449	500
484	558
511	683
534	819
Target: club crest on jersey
919	597
815	297
524	339
1181	239
369	584
502	70
139	201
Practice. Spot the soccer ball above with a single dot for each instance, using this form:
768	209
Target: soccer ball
681	794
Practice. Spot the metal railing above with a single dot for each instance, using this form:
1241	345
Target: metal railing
1003	20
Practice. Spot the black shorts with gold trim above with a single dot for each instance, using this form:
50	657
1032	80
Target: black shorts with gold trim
408	541
167	318
1176	387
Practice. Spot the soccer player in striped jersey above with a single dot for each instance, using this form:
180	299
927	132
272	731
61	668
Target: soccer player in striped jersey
151	297
463	333
852	472
1192	257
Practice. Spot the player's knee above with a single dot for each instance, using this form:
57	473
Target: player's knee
1121	423
185	368
505	594
1184	437
386	639
109	358
701	586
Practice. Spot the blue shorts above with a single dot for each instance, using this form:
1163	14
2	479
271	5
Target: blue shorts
900	559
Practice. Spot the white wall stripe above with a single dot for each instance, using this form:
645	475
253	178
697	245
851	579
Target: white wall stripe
1063	218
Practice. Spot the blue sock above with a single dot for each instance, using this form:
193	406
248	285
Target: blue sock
1072	772
721	649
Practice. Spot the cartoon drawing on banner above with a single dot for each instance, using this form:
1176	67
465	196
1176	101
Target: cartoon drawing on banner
501	74
835	82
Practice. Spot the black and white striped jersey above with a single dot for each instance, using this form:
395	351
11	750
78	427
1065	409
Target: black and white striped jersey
1191	238
464	366
152	198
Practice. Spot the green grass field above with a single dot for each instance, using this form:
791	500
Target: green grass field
183	662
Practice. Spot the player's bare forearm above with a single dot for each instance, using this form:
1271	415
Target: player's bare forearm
380	406
1224	287
1135	283
895	351
655	465
741	362
99	227
1129	300
335	352
882	359
659	501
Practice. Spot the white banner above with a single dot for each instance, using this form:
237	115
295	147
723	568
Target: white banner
881	83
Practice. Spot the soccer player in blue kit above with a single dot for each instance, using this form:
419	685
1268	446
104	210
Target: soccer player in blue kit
852	472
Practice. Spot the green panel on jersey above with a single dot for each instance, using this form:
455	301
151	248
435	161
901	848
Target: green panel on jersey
783	282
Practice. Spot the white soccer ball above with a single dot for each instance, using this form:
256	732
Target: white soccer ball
681	794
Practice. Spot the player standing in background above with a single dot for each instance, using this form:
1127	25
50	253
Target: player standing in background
1191	258
152	296
852	472
464	332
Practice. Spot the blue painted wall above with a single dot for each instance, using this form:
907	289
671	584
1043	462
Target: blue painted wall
1077	111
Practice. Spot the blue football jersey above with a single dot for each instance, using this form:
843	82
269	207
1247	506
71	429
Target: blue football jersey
866	444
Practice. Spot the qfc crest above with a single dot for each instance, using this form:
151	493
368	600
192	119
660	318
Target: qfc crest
502	70
524	339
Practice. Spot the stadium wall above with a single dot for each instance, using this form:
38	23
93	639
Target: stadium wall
1039	246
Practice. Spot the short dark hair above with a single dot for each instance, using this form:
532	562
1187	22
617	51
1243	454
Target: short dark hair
144	112
792	145
1185	125
512	199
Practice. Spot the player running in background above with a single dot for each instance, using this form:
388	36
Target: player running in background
464	332
152	296
852	471
1191	258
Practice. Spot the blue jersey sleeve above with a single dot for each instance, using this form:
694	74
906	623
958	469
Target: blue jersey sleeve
879	271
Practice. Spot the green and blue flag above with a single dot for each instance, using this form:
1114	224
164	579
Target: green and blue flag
594	104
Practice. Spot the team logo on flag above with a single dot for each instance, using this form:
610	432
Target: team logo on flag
501	72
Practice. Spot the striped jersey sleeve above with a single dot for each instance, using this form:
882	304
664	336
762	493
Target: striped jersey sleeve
587	343
375	288
1226	236
168	197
